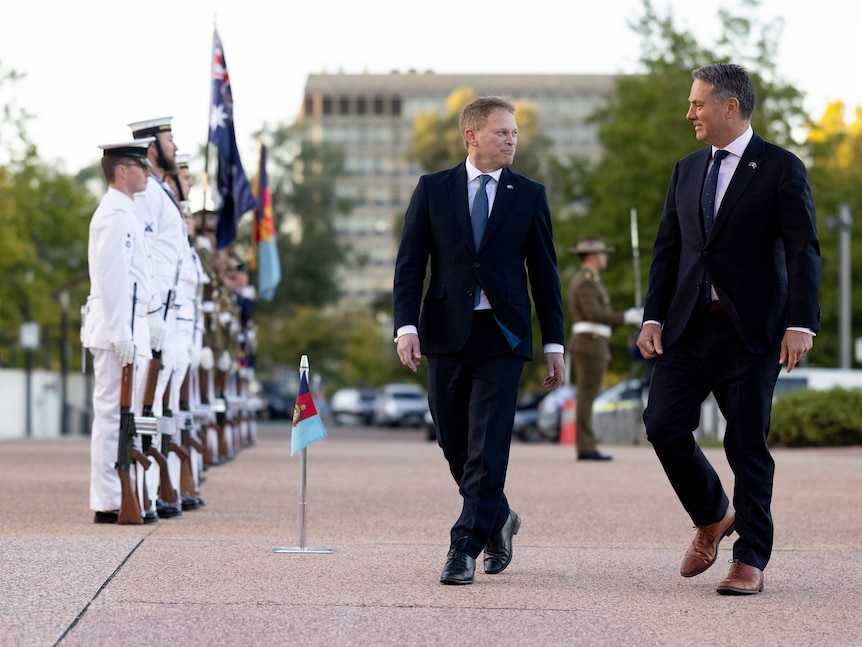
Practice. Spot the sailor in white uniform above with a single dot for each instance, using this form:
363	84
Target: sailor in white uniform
122	318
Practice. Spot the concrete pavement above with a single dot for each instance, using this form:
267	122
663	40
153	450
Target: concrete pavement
595	563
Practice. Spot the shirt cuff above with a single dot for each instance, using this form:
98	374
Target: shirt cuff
554	348
405	330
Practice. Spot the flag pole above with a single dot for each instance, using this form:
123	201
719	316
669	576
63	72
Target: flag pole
636	256
206	178
303	497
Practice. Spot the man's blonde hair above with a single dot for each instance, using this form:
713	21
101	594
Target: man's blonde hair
475	114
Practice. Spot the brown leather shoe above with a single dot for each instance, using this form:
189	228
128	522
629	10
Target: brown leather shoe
704	547
742	580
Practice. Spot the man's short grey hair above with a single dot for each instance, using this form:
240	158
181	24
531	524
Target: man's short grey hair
729	80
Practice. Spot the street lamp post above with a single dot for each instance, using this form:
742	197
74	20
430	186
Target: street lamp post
63	298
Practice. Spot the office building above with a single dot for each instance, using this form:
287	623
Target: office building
371	117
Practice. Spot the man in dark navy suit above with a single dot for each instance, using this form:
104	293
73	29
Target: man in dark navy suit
732	295
486	230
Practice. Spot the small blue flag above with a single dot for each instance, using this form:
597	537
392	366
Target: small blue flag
307	425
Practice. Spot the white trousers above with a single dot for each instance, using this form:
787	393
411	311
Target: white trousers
105	490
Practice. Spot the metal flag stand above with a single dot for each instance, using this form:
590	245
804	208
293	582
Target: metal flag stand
303	500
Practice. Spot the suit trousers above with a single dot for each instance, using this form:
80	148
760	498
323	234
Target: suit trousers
710	357
472	395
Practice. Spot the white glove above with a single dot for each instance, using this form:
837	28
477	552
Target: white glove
634	316
224	362
158	328
224	318
207	360
125	352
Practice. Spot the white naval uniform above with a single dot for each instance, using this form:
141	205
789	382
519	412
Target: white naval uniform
189	288
166	231
120	265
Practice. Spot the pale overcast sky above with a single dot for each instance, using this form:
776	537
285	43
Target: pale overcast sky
95	65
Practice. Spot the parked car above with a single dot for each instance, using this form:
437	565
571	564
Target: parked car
627	394
550	412
353	406
526	425
400	405
280	400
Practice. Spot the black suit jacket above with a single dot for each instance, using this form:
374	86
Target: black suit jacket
762	253
517	244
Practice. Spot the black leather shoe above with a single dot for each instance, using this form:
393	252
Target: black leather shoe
167	511
150	516
498	552
459	568
594	455
110	516
190	502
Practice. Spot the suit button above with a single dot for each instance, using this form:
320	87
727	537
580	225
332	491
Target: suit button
469	293
705	253
476	264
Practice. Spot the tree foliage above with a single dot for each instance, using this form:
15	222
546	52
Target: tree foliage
303	180
44	217
344	347
835	150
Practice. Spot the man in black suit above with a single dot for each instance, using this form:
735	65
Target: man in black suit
732	295
475	319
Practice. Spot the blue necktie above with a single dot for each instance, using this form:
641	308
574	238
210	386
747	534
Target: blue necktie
479	218
479	212
707	212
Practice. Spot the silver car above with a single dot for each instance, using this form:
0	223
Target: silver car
400	405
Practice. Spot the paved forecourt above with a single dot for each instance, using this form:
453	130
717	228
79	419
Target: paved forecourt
595	563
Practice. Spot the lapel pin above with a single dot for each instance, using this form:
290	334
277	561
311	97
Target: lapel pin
753	165
510	187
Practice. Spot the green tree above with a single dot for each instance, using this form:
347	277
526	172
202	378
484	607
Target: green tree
305	205
835	148
44	217
643	132
345	348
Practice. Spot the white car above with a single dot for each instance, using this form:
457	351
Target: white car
400	405
354	406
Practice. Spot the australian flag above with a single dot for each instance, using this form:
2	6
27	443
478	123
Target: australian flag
233	187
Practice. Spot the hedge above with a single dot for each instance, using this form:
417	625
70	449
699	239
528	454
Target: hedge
809	418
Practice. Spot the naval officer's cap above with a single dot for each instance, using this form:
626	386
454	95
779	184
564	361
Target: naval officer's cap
136	149
151	127
183	160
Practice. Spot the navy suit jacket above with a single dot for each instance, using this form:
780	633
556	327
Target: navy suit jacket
763	253
517	245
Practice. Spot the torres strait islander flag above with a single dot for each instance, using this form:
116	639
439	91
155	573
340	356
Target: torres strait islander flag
307	425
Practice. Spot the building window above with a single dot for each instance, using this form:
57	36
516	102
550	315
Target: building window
327	105
396	106
344	106
378	105
361	106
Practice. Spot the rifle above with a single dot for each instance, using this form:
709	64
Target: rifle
167	493
186	437
130	510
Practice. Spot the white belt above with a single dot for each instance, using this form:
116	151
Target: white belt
589	327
